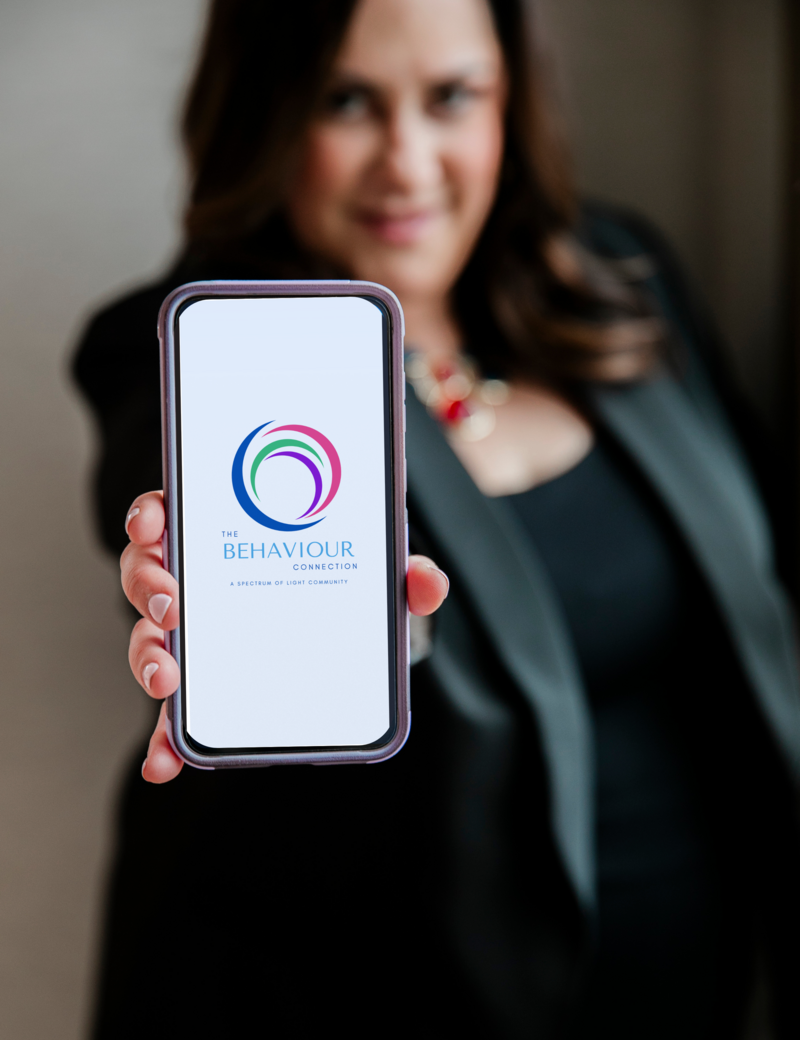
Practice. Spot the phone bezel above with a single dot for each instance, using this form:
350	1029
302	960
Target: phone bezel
168	316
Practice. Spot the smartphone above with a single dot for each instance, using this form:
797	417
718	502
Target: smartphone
284	484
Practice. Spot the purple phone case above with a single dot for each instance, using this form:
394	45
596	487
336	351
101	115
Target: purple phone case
166	324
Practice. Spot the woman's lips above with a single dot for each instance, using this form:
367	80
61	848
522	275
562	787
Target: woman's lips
397	229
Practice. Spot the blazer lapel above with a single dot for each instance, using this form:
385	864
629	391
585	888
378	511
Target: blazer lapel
493	564
711	498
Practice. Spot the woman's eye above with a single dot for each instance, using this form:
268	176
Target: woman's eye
451	98
347	103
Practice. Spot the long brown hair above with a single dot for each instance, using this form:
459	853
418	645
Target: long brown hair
530	299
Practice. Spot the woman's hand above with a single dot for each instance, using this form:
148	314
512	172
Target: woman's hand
154	593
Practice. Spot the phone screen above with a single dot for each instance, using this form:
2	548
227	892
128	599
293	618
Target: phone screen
285	522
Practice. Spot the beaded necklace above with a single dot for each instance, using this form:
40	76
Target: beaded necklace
455	394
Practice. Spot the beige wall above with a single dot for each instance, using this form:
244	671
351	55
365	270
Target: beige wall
88	193
674	105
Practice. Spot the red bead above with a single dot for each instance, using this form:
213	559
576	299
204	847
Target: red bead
455	412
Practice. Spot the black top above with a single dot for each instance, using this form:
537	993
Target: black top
669	936
624	582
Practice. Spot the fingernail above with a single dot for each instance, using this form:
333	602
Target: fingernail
143	765
134	512
158	606
148	672
433	567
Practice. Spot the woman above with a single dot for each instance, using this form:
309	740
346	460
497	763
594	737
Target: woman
591	831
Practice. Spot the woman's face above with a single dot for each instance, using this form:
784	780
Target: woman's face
401	166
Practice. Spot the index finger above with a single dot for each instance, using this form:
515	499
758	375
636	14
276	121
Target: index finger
144	523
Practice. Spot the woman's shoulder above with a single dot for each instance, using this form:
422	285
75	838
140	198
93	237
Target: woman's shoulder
118	347
624	236
127	314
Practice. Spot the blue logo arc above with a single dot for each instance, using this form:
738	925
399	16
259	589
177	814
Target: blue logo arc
247	504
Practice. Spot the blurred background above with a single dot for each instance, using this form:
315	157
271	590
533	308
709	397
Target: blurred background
679	108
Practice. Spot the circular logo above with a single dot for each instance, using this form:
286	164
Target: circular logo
301	443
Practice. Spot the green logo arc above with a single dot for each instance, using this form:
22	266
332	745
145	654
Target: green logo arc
287	443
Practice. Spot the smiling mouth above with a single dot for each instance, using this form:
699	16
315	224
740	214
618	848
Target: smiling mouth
397	229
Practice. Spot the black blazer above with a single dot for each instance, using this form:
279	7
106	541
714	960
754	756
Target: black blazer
459	875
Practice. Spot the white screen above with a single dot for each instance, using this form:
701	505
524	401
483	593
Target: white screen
285	633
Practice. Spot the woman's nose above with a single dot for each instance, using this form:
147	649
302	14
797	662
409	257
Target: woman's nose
410	155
